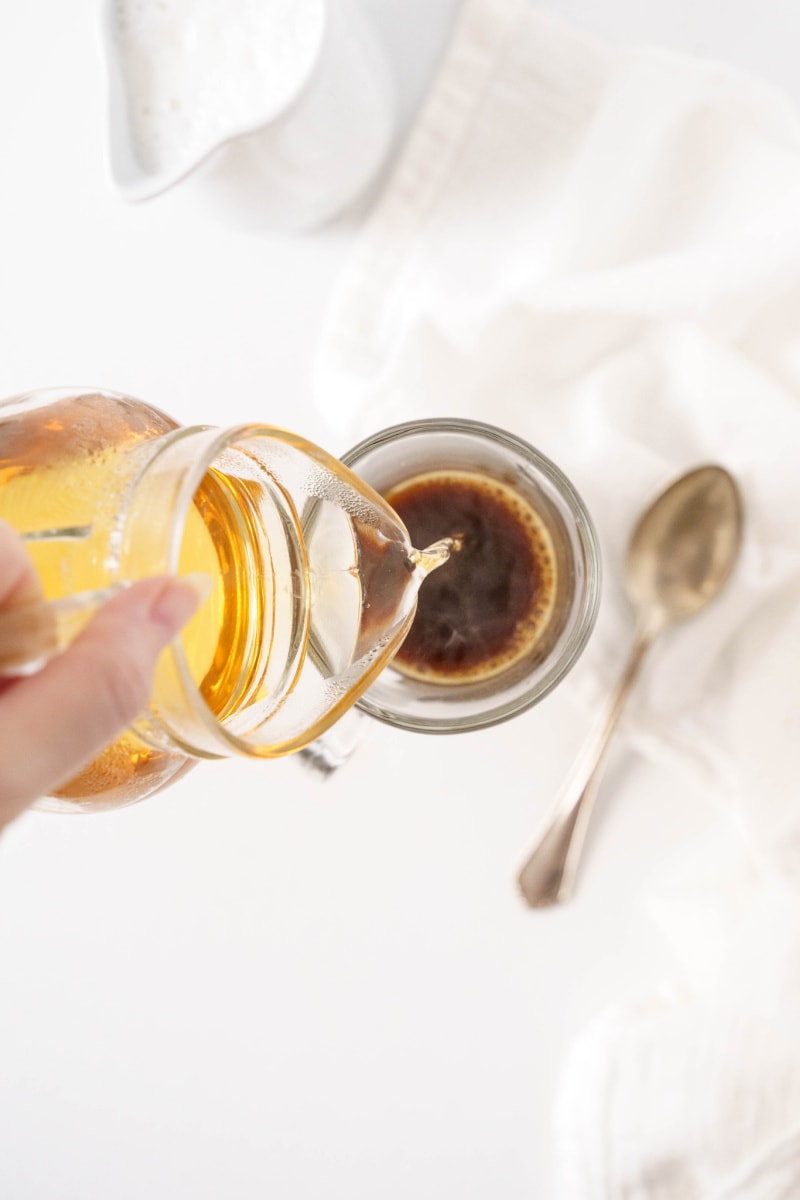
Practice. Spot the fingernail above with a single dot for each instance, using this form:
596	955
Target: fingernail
201	584
179	599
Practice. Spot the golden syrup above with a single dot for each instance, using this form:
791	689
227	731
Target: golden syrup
66	466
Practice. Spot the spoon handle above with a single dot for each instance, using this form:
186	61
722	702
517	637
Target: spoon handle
549	874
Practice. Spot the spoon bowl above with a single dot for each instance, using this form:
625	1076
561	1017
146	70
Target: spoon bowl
684	547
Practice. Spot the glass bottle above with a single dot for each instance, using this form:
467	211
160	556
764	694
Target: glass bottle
314	577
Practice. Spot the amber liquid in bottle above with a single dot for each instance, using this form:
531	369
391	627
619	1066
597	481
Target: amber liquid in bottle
46	459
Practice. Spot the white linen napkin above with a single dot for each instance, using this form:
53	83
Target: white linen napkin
600	250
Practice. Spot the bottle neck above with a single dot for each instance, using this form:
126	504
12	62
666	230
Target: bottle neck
205	502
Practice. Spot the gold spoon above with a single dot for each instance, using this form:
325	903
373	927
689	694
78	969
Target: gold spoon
681	553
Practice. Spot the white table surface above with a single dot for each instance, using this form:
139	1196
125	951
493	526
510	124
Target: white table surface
259	984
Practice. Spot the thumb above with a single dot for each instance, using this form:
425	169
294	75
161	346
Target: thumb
54	722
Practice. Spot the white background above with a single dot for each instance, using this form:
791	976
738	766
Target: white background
260	984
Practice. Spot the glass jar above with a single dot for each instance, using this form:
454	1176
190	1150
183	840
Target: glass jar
314	578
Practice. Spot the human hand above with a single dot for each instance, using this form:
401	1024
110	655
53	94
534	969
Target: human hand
54	722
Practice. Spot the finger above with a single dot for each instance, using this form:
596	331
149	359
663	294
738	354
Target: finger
18	578
53	723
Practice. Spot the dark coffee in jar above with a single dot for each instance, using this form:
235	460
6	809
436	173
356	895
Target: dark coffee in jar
490	605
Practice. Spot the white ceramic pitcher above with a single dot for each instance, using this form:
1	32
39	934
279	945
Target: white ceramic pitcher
277	113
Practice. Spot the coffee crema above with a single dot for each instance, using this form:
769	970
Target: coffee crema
489	606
